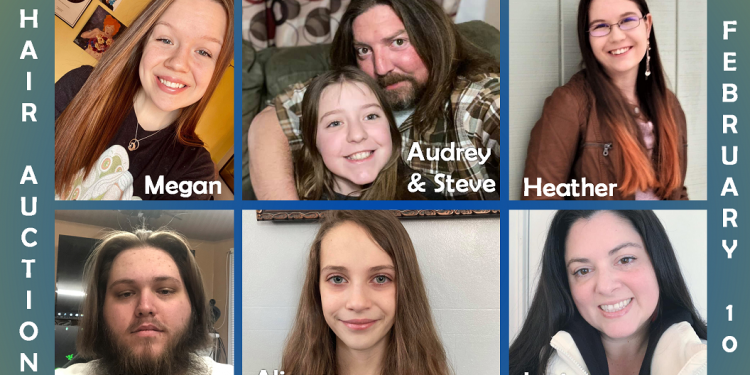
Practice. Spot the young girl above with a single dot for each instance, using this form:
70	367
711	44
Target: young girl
615	121
133	116
363	308
610	300
351	143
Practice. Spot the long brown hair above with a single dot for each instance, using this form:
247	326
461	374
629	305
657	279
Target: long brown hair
313	179
414	346
638	171
92	337
91	120
444	52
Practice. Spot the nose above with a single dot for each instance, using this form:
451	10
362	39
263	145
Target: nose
607	282
178	60
383	63
358	299
356	132
615	33
145	305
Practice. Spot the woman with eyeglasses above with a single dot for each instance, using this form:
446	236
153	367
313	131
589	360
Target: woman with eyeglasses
615	121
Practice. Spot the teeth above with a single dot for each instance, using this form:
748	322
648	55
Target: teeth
171	84
620	51
616	307
359	155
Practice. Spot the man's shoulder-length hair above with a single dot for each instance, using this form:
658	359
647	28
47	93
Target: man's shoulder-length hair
445	53
92	337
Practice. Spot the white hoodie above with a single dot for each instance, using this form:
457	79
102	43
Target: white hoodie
679	352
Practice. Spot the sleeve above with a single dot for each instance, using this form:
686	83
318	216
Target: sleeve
288	107
554	142
200	168
491	126
478	112
68	86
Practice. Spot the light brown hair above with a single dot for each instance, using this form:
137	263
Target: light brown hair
638	171
313	179
444	52
91	120
92	337
413	346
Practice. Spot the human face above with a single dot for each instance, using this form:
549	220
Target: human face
181	52
620	52
353	135
610	274
357	288
384	51
146	305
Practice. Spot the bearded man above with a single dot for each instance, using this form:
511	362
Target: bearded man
145	309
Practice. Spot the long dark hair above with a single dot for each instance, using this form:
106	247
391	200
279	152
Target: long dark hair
638	171
93	339
414	346
444	52
553	308
313	179
91	120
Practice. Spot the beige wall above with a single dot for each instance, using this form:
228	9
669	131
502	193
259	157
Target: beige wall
217	124
210	255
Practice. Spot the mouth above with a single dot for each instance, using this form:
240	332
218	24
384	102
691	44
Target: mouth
360	156
170	85
620	51
147	330
617	307
359	324
395	85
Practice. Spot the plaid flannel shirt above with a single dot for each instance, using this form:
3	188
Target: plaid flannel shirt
476	106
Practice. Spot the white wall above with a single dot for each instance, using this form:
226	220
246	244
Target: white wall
482	10
459	260
527	232
544	54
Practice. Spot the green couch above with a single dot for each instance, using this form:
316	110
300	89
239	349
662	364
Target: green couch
267	73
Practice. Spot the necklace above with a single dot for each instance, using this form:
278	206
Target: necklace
135	142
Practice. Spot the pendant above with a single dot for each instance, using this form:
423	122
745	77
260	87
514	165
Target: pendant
133	145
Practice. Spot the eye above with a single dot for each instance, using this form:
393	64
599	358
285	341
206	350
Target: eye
626	260
165	292
581	272
125	294
362	51
165	41
372	116
333	124
381	279
600	26
337	280
400	42
204	53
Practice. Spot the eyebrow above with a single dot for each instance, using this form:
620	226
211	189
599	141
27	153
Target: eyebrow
610	253
621	17
344	269
131	281
206	37
339	110
387	39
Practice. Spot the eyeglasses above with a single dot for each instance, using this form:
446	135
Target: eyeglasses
627	23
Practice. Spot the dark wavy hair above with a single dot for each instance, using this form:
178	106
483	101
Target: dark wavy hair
444	52
553	308
93	338
657	104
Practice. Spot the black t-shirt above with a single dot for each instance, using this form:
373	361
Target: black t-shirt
158	155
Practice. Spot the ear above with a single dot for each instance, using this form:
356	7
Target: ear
648	21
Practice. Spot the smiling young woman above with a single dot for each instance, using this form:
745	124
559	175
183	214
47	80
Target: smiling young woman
134	115
611	299
363	308
615	121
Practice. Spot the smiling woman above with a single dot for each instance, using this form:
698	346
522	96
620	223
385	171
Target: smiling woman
611	299
133	116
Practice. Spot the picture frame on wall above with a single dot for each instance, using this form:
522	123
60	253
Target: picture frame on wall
99	33
70	11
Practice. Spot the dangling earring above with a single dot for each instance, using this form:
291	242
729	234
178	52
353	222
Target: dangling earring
648	61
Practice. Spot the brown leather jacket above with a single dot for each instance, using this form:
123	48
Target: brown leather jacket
568	143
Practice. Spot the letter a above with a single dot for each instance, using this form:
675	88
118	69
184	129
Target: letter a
28	50
28	175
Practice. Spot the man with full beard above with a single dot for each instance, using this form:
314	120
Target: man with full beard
145	309
443	90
